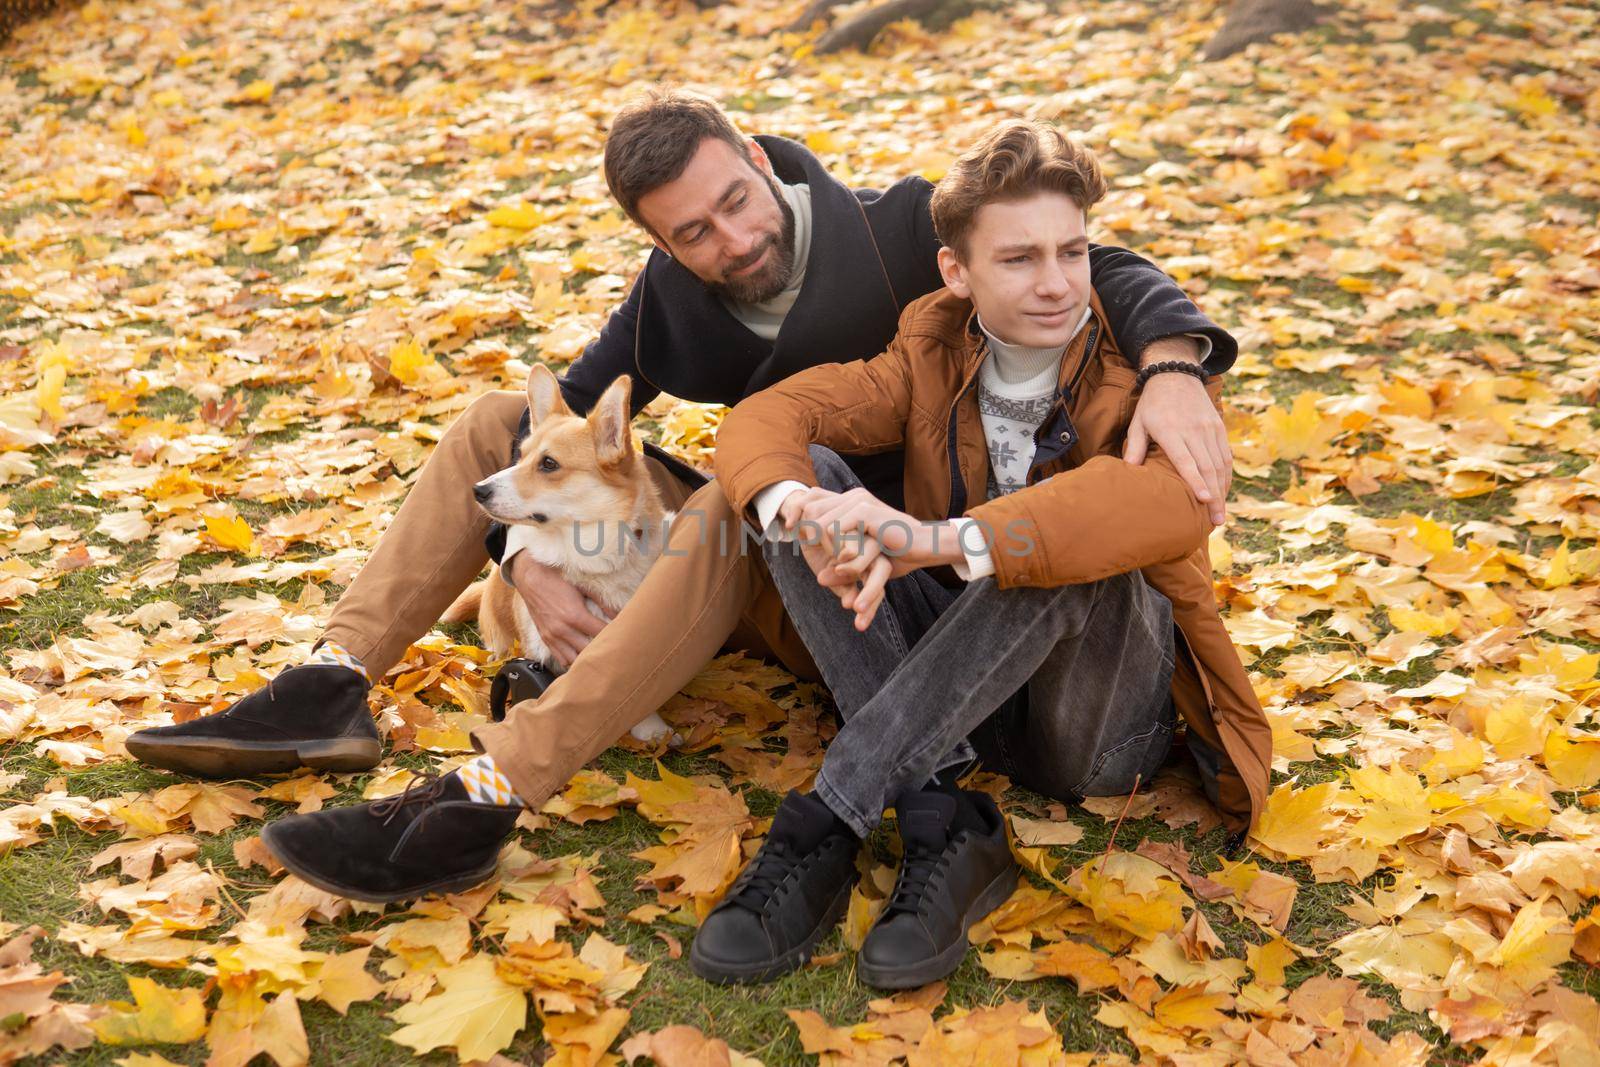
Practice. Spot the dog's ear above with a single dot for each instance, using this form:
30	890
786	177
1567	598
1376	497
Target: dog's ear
611	422
544	394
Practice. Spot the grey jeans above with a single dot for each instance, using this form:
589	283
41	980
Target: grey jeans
1064	690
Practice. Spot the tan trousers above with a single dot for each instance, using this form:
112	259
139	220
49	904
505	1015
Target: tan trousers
702	596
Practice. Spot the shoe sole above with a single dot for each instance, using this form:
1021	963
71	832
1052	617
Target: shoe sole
453	884
914	976
797	957
215	758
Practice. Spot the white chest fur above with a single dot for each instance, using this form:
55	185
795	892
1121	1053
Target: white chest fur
606	564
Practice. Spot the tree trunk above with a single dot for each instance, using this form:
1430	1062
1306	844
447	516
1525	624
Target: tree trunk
859	31
1250	21
814	11
14	13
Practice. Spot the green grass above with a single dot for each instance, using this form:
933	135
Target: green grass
43	881
40	884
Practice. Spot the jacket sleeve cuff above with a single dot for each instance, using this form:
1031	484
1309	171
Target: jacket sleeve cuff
1212	360
767	502
977	561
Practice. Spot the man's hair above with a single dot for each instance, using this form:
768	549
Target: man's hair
653	138
1013	161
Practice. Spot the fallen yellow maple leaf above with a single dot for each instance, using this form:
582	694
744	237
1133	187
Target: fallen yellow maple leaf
1130	892
1397	805
1297	822
518	216
232	533
684	1046
582	1040
158	1015
1268	961
1090	968
409	361
1538	939
1045	831
1190	1007
477	1014
342	980
247	1025
1572	758
1301	431
53	364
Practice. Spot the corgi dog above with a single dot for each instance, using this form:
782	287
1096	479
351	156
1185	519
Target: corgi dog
580	499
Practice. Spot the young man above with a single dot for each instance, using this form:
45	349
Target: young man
764	265
1080	580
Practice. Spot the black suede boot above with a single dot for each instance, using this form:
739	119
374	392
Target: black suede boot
785	901
309	716
430	839
950	877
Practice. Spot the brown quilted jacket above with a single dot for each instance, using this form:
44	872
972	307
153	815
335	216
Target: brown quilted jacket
1084	515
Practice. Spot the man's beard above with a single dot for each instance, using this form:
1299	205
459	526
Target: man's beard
772	278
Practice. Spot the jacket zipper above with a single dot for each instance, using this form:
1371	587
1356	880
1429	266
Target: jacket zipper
958	486
1089	346
1063	402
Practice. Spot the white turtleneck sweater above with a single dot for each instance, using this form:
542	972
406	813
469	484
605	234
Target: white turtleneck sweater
765	319
1016	389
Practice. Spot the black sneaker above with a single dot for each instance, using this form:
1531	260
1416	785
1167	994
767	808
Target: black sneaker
313	715
950	878
788	897
430	839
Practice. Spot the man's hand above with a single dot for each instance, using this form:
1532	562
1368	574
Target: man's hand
1176	413
560	611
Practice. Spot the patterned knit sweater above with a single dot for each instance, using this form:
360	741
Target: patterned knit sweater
1016	387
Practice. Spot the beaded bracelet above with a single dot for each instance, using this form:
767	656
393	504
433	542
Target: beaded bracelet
1172	365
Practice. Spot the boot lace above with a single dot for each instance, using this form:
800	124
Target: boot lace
771	867
916	871
421	790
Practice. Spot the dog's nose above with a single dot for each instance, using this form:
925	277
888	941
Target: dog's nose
480	493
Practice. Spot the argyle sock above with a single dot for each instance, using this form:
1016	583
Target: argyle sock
335	654
485	784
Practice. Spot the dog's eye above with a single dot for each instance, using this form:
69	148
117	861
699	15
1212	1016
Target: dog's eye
549	464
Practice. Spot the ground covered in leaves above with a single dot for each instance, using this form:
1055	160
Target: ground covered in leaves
255	255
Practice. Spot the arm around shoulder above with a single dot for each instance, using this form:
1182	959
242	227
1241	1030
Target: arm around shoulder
1143	304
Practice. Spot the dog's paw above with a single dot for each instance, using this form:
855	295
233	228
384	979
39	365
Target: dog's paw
653	729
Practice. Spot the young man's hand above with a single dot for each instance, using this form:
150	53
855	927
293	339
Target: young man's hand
818	549
560	610
1176	413
855	543
869	570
